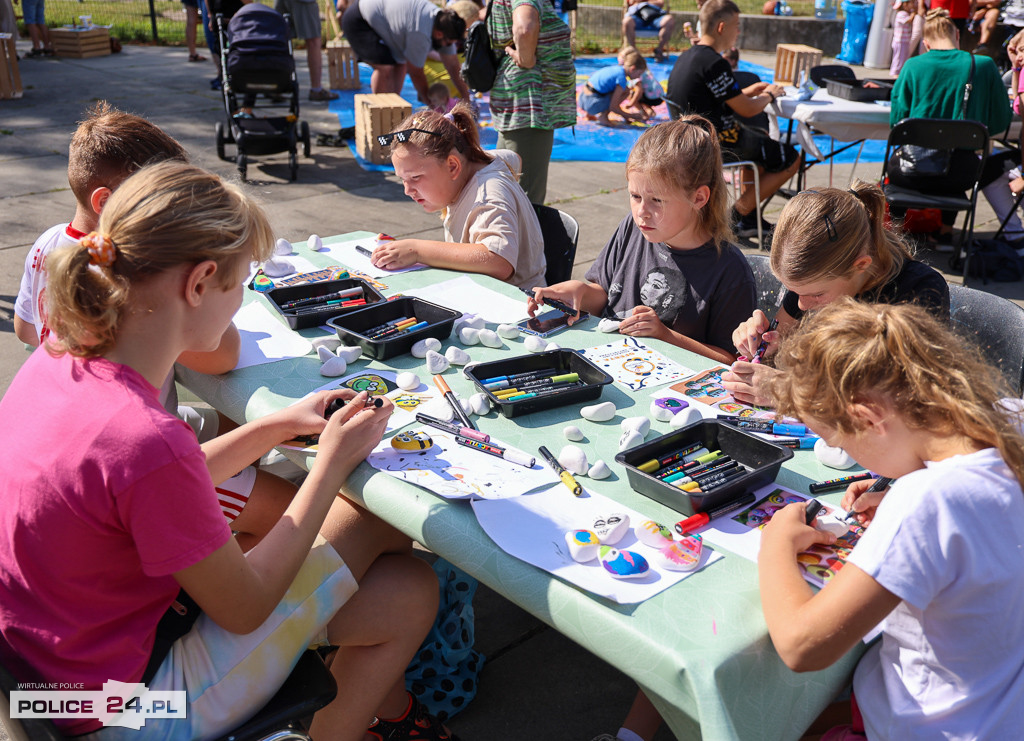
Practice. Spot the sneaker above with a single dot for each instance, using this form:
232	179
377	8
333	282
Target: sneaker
746	226
322	94
415	724
215	83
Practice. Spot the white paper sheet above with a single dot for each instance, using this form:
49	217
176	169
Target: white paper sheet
466	295
634	365
265	339
532	528
347	254
454	471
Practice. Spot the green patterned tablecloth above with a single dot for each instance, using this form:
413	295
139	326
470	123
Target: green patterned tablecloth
699	649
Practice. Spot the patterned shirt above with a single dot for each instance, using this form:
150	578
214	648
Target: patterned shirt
543	97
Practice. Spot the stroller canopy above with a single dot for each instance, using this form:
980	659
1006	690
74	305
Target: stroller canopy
258	29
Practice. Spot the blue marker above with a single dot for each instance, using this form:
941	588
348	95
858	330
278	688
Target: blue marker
802	443
765	425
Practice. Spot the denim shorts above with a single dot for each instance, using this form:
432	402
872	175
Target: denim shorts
33	11
594	103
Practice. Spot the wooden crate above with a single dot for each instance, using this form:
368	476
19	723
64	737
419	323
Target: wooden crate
377	114
792	59
10	76
342	67
80	43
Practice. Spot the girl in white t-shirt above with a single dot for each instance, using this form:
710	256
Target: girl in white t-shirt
490	226
940	565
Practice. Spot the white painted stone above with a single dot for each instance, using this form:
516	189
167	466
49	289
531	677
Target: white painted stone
599	470
334	367
313	242
508	331
535	344
686	417
583	545
331	342
469	320
456	355
421	348
630	439
652	534
351	354
552	346
467	408
598	412
573	459
607	325
438	408
325	354
278	267
469	336
407	381
832	457
610	528
640	424
436	362
490	338
623	564
661	414
479	404
830	524
283	247
574	433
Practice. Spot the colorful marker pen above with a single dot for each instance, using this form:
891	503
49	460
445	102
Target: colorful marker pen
512	456
881	485
363	251
517	377
765	425
554	303
812	510
838	483
460	414
699	520
440	424
759	353
564	475
655	463
345	293
800	443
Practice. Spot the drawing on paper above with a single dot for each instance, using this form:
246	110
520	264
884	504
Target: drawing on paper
634	365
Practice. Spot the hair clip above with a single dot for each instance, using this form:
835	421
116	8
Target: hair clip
401	136
830	229
102	251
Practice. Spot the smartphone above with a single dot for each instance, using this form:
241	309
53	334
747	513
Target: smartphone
549	323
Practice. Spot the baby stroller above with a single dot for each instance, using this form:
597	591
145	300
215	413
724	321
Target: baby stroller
256	59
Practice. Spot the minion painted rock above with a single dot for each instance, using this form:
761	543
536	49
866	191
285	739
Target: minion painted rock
583	545
681	555
411	441
623	564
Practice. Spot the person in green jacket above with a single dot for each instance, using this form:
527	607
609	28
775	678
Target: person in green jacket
932	86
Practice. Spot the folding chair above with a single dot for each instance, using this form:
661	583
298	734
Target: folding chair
736	177
949	136
561	234
308	688
996	325
644	33
769	288
1020	196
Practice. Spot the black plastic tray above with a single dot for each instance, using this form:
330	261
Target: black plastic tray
278	296
350	327
762	459
563	361
855	90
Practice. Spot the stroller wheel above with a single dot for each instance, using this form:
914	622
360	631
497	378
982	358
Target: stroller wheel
220	140
293	165
305	139
240	161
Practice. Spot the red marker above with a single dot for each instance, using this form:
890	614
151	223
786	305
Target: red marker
699	520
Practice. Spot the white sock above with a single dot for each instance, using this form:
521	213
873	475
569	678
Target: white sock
625	734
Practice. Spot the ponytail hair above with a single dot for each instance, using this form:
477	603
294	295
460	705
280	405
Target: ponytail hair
685	154
821	233
938	26
440	133
850	351
165	215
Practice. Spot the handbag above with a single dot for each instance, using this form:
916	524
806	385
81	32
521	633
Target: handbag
649	13
480	67
916	161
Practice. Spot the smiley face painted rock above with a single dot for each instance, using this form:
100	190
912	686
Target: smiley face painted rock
653	534
583	545
681	555
411	441
623	564
610	528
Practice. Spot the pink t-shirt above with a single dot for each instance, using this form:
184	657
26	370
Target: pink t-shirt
106	496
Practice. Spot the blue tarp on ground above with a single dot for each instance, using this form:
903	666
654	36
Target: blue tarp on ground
586	142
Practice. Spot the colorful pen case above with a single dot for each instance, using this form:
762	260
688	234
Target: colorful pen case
592	380
761	459
316	315
354	327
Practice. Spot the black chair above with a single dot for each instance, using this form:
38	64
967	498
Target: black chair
824	72
308	688
561	234
996	325
769	288
950	136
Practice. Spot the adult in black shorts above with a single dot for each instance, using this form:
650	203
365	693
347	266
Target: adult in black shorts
702	82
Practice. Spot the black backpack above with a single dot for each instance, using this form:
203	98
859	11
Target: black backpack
992	259
480	67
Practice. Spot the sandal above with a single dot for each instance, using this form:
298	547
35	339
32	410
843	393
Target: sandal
197	57
415	724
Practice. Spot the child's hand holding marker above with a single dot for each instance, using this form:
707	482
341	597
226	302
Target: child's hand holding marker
862	499
789	530
748	336
569	294
747	381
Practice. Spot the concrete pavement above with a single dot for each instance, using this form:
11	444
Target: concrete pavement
536	684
